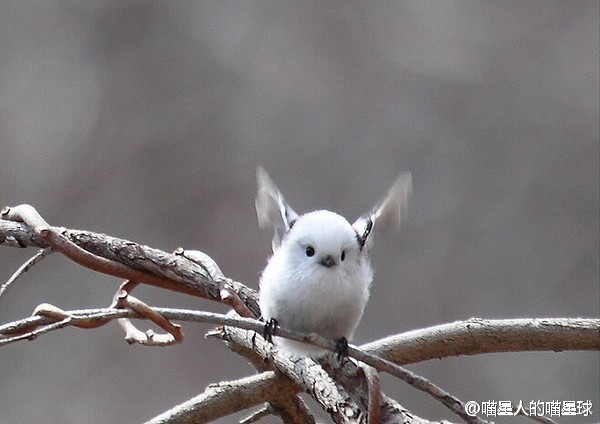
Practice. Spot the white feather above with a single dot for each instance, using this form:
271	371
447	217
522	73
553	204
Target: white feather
319	276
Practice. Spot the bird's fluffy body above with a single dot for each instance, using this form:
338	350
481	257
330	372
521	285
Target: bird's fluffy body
323	293
319	276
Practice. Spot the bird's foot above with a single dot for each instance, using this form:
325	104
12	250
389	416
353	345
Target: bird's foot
341	348
269	330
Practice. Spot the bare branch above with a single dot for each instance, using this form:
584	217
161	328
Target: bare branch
343	406
129	260
374	393
30	263
27	214
85	317
258	415
310	376
149	337
476	336
418	382
90	318
576	333
17	234
222	399
346	392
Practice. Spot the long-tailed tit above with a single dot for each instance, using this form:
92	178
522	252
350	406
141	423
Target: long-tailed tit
318	278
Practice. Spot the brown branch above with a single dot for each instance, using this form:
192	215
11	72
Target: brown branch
149	337
251	341
343	406
224	398
30	263
19	235
476	336
373	381
195	273
91	318
305	373
332	395
577	333
473	336
126	259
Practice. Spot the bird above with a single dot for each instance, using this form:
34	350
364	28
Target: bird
318	279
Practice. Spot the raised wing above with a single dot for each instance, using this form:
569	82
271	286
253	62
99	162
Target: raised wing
271	208
387	214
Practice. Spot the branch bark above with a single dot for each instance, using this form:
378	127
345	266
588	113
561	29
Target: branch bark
225	398
158	268
476	336
421	345
343	391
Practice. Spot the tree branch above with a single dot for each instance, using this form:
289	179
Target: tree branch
129	260
476	336
224	398
344	406
343	391
30	263
524	334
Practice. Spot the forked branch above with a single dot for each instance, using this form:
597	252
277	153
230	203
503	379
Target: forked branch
197	274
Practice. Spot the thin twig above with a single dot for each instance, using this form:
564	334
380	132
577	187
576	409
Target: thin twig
330	393
584	332
32	335
101	315
30	263
380	364
22	226
149	337
374	390
56	314
416	381
565	334
265	411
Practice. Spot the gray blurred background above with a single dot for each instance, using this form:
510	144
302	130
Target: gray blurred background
146	120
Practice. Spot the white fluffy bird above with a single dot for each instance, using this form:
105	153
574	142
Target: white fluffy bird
319	276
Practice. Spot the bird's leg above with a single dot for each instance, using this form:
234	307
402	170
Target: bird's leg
341	348
269	330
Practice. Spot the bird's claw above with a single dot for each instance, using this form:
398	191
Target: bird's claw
269	330
341	348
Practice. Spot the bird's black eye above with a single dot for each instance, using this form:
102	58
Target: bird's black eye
343	255
310	251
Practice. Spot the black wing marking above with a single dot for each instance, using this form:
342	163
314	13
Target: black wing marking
388	214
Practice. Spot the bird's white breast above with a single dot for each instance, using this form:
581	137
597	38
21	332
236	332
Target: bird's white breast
305	296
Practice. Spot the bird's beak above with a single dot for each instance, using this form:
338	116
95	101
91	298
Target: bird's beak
327	261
